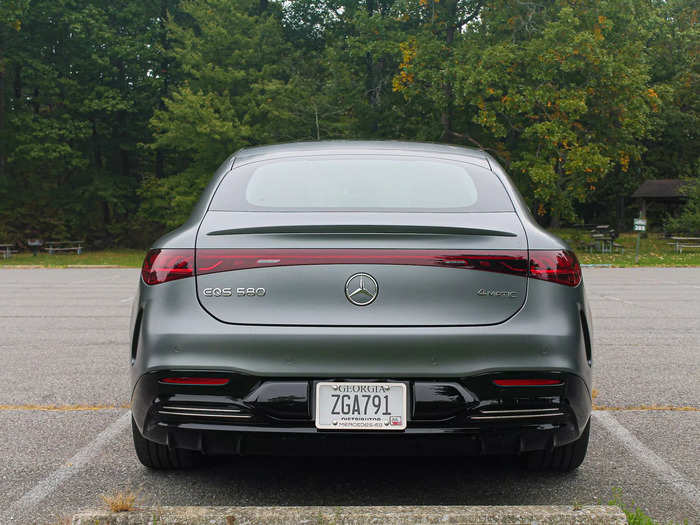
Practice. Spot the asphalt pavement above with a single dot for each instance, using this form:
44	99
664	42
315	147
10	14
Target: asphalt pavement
65	437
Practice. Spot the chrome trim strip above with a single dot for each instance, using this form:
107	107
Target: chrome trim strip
169	407
195	414
519	416
520	411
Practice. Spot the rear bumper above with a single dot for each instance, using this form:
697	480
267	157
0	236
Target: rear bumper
272	369
467	415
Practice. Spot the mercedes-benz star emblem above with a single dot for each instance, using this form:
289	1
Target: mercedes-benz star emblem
361	289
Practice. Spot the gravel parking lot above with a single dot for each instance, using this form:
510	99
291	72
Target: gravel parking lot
65	433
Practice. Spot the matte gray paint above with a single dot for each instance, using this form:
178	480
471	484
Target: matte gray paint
176	333
409	295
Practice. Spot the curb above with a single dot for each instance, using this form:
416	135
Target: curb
394	515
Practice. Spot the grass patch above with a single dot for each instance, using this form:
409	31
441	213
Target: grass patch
635	516
122	501
126	257
655	250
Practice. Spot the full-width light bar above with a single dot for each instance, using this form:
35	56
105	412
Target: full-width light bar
559	266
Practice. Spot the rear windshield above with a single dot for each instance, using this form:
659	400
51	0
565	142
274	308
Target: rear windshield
361	184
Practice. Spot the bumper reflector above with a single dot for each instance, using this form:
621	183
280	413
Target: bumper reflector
208	381
527	382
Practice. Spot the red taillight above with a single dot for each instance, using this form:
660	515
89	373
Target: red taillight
161	266
215	381
165	265
527	382
512	262
556	266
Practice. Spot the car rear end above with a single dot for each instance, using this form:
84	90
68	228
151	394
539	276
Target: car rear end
361	300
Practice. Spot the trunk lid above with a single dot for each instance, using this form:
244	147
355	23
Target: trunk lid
423	269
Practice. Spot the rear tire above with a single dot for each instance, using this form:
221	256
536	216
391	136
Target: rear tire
562	459
161	457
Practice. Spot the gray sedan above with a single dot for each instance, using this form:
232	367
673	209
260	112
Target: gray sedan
361	298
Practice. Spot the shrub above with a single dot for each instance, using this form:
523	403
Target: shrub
689	219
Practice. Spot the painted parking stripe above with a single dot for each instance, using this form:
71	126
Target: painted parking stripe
648	457
78	462
60	408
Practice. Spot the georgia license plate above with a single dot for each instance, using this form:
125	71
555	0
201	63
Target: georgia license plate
361	406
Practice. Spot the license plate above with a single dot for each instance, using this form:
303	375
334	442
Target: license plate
361	406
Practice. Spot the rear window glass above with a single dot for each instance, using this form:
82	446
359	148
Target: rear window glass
361	184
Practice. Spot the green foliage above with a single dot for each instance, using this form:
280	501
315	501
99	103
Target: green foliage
688	221
568	98
76	97
168	201
635	515
114	116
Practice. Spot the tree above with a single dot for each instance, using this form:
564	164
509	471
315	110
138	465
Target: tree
106	109
229	54
430	65
11	14
80	98
563	90
673	148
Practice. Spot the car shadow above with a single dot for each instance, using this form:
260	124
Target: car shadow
334	481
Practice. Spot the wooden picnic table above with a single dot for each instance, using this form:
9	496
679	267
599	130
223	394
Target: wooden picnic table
64	246
7	250
603	239
685	242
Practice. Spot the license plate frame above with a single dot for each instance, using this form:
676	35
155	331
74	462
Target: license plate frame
390	418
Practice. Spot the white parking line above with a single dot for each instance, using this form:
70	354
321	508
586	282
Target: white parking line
648	457
80	460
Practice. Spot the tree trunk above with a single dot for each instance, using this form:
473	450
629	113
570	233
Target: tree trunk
122	118
555	219
620	215
106	214
97	152
165	43
446	115
160	163
555	214
2	120
3	131
18	82
125	164
369	78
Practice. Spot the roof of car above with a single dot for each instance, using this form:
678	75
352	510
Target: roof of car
356	146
